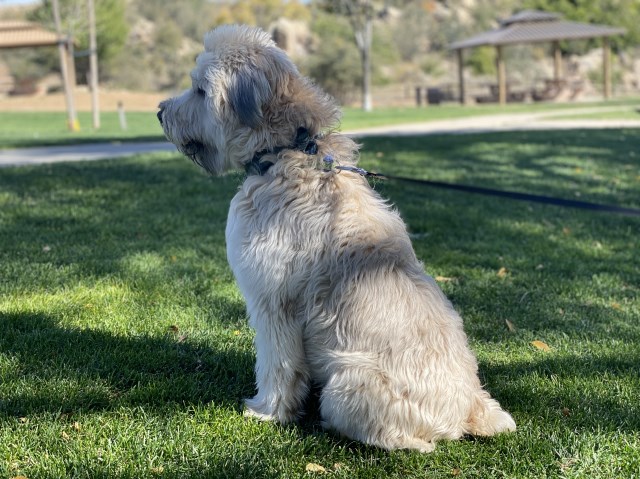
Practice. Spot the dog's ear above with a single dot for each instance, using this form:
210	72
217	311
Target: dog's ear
248	92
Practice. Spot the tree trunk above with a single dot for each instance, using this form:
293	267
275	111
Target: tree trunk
367	104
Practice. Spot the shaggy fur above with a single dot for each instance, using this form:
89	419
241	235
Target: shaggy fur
333	287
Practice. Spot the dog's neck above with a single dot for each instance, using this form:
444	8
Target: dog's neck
303	142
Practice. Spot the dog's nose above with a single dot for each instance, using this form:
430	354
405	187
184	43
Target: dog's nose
159	115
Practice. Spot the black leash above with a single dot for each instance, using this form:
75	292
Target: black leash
522	196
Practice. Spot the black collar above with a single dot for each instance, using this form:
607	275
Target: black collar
303	142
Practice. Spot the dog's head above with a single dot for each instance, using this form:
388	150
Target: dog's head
246	96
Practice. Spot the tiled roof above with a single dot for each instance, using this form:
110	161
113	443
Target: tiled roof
24	34
532	26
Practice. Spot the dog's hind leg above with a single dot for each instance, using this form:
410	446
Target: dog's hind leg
488	418
282	374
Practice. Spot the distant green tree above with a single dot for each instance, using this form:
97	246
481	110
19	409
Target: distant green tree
111	26
618	13
334	63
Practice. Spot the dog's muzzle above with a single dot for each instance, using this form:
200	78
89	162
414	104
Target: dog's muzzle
193	149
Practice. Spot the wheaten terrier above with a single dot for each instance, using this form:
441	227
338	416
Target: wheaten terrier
333	287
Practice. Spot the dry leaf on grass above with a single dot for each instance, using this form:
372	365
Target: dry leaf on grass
540	345
444	279
510	326
502	272
312	467
455	472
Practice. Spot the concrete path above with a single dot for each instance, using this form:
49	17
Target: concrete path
88	152
476	124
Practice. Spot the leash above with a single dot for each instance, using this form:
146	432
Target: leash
549	200
513	195
308	144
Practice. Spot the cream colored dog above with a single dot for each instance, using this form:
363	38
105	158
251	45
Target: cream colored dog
334	290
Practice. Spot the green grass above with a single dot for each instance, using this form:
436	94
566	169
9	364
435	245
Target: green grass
124	350
630	113
355	118
22	129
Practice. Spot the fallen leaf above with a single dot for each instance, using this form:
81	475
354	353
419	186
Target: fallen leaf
65	436
616	306
455	472
566	412
182	338
502	272
311	467
174	329
338	466
540	345
236	333
76	426
566	231
444	279
174	259
510	326
156	471
46	248
23	420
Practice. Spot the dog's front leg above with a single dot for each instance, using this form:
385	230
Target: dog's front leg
282	375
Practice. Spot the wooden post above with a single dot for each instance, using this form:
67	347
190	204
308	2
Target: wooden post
606	68
557	62
121	116
463	98
72	119
502	76
93	63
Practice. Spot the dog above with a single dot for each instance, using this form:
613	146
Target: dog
334	291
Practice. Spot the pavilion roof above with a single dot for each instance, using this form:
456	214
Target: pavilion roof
533	26
16	34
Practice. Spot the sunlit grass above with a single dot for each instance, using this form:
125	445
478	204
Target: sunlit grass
124	349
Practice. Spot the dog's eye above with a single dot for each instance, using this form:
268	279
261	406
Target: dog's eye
201	92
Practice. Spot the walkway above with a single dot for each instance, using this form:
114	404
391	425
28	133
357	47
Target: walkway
477	124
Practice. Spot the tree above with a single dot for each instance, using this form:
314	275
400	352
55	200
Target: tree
261	12
334	61
617	13
111	25
360	14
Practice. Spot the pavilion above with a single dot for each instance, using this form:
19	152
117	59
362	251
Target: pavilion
19	34
532	26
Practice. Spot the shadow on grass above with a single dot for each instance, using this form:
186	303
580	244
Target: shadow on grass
590	165
71	370
64	225
593	393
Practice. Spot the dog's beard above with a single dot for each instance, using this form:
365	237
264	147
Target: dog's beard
202	155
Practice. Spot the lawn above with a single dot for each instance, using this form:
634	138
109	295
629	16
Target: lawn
124	350
20	129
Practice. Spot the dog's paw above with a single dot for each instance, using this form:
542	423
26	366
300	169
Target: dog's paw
248	412
255	407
